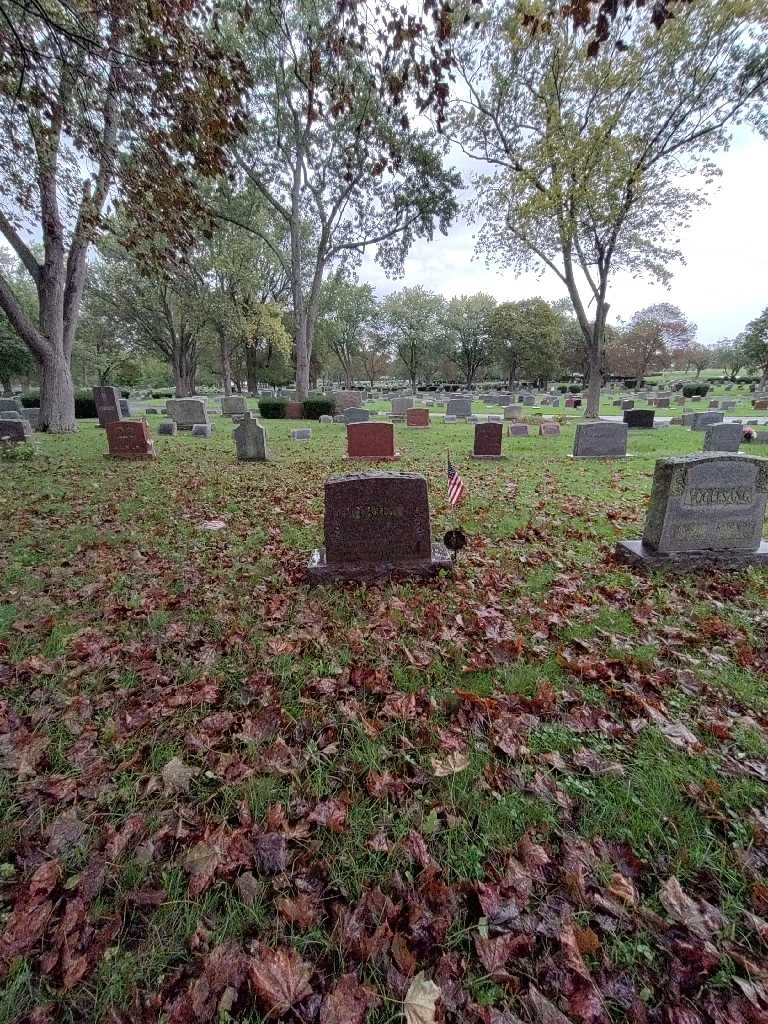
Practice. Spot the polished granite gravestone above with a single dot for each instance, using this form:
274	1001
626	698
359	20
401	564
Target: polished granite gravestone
129	439
702	420
354	414
517	430
549	429
723	437
235	405
12	431
487	441
187	412
706	508
107	401
459	407
377	524
600	440
418	418
639	419
250	440
374	441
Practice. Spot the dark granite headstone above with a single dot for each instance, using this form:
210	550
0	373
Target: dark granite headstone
355	415
374	441
10	405
129	439
705	508
107	401
202	429
702	420
600	440
487	441
168	428
723	437
14	430
377	524
639	419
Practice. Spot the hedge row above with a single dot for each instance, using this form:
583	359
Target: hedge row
312	408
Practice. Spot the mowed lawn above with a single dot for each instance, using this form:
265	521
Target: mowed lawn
537	791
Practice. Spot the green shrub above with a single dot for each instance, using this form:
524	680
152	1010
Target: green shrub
314	408
695	390
85	406
31	400
161	393
272	408
575	389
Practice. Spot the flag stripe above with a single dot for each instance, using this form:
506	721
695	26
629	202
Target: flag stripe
455	484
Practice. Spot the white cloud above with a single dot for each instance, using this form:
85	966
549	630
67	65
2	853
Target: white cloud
722	285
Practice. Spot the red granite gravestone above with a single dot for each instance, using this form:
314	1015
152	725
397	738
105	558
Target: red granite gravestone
377	524
760	403
549	429
417	417
294	411
371	441
130	439
487	441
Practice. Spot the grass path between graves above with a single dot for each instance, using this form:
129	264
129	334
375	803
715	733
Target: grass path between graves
535	792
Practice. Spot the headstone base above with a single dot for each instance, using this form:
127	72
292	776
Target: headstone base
591	458
636	553
133	456
488	457
320	571
374	458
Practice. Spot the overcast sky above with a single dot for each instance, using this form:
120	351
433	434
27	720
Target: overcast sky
722	285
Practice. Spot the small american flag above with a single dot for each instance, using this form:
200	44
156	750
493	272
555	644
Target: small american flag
455	484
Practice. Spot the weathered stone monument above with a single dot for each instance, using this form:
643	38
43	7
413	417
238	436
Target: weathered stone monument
355	414
517	430
346	399
513	412
459	407
600	440
705	508
130	439
202	429
14	430
723	437
487	441
168	428
187	412
548	428
235	405
250	440
107	401
702	420
377	524
302	434
375	441
10	405
400	406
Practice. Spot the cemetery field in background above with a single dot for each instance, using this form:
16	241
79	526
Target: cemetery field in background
225	795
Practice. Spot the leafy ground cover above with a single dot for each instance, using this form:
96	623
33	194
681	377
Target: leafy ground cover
535	792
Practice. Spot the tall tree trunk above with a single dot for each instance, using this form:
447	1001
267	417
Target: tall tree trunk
57	393
183	375
226	366
251	369
303	356
7	389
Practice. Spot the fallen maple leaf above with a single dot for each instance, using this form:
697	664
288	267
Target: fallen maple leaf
450	765
280	978
420	1004
348	1003
622	888
700	917
546	1012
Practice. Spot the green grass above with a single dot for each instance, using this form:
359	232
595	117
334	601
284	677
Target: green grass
129	636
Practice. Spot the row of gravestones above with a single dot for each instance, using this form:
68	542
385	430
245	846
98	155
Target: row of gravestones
706	508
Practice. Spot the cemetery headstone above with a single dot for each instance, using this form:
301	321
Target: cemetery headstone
702	420
400	406
459	407
326	419
302	434
722	437
235	405
186	412
487	441
107	401
374	441
346	399
250	440
513	412
601	439
449	419
202	429
547	428
517	430
168	428
418	418
294	410
705	508
639	419
14	430
377	524
10	405
130	439
355	415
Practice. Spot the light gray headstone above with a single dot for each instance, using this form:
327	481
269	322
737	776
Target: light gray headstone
517	430
10	405
188	412
400	406
513	412
461	408
14	430
356	415
302	434
201	429
235	405
326	419
250	440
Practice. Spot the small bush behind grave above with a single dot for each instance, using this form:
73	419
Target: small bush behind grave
162	393
314	408
272	408
30	400
695	390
